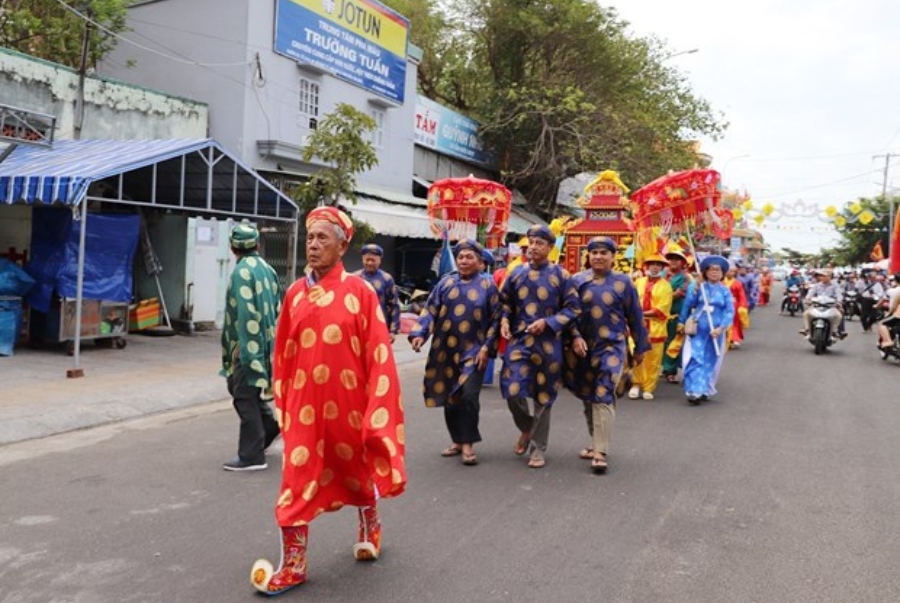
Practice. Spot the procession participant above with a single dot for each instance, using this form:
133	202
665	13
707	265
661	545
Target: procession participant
252	304
708	301
384	285
462	314
337	395
748	280
765	286
655	295
539	302
735	336
610	311
679	280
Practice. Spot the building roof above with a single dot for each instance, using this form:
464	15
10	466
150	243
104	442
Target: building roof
192	175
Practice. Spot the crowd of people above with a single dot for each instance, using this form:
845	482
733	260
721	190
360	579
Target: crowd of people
323	352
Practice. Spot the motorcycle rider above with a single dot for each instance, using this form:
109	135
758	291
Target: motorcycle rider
870	292
893	314
825	286
794	280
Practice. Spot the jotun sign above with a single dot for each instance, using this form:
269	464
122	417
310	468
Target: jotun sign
361	41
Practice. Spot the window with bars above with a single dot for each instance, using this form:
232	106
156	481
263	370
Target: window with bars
377	135
309	103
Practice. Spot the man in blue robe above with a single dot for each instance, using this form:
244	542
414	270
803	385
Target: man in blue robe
384	286
462	314
539	302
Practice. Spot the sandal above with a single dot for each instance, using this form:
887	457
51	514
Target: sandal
599	464
469	459
451	451
586	453
522	443
673	379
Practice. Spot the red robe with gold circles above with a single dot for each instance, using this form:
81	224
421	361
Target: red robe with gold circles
337	399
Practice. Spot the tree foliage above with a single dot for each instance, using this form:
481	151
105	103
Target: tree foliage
340	142
857	239
48	30
560	88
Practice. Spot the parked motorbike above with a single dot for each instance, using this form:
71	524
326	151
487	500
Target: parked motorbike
851	304
823	309
794	301
412	300
893	350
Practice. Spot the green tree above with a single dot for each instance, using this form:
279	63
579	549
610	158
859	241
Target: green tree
560	88
858	239
48	30
341	143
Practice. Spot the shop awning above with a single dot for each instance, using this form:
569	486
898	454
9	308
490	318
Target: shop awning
392	219
196	176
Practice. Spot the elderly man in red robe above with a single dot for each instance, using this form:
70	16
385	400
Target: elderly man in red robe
337	399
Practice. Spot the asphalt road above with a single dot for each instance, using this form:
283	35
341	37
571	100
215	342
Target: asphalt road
784	489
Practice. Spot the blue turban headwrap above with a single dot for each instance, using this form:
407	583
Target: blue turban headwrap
371	248
539	231
468	245
602	243
488	257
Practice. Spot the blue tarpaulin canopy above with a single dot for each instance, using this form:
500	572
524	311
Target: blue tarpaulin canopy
197	176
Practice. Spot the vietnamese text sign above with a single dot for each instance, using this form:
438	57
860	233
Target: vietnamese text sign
449	132
360	41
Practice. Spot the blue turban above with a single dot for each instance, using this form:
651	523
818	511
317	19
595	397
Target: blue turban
602	243
539	231
371	248
714	260
468	245
488	257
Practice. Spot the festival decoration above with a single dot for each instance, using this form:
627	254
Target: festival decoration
679	200
469	208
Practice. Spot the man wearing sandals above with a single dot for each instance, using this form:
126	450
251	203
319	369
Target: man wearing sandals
610	312
539	302
461	313
680	281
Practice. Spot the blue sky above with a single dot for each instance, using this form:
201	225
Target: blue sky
810	89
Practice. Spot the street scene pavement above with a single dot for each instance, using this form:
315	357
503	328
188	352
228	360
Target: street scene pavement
782	489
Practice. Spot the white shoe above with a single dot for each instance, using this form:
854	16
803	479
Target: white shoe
647	396
634	392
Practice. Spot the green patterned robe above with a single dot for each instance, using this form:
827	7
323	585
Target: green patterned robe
252	305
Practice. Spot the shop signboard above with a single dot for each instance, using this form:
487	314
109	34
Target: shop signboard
449	133
360	41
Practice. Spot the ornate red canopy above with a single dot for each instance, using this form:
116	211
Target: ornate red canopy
469	208
691	196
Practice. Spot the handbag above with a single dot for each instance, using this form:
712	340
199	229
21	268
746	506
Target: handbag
690	326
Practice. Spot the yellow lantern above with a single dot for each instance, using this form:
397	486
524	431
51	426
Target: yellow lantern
840	221
748	204
737	213
767	209
759	218
866	217
831	211
855	207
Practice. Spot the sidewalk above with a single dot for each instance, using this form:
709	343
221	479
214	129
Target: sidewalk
150	375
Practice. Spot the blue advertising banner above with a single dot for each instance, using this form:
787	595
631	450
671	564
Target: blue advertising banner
360	41
449	132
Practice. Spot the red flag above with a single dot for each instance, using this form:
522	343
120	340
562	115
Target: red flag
894	266
877	253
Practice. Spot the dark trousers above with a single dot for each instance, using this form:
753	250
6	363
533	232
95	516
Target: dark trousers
258	425
866	312
462	414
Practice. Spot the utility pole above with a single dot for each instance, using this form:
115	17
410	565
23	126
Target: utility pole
890	202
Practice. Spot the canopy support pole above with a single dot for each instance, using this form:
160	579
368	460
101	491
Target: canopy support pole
76	370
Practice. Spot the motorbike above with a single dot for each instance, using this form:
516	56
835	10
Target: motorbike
851	304
823	309
893	350
412	300
794	301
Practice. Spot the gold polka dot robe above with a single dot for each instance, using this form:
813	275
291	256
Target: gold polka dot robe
610	313
252	304
463	316
337	399
532	364
386	289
